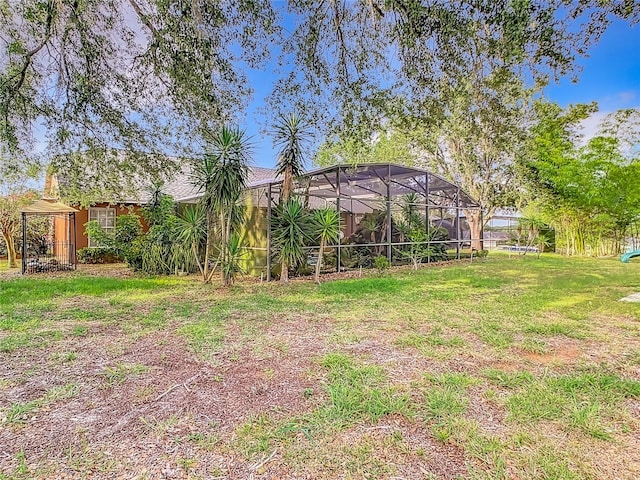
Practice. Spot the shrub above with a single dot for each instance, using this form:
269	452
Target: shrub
159	251
437	251
381	263
232	260
123	244
97	255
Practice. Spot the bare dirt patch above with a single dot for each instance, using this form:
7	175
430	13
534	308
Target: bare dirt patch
562	355
142	419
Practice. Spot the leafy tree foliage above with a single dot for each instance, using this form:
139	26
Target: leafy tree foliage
154	76
350	60
460	97
590	193
137	75
389	145
11	220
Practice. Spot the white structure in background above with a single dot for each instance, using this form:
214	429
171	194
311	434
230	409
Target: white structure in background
500	228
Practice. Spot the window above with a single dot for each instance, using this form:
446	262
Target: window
106	218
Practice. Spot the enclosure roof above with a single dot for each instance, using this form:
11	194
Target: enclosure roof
371	179
47	207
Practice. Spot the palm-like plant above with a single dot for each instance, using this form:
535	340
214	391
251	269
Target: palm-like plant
191	228
235	253
543	240
528	230
371	223
410	212
290	229
221	176
326	226
291	136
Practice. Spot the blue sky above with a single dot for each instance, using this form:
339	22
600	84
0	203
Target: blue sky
609	76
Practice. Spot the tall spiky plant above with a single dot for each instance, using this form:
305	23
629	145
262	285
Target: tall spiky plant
291	136
221	176
290	229
326	227
192	231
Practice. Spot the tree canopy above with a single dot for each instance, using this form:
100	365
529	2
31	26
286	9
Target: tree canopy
145	76
80	78
348	61
589	193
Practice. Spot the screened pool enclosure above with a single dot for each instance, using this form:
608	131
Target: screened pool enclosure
405	214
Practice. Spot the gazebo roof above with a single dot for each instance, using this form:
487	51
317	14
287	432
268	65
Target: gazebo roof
47	207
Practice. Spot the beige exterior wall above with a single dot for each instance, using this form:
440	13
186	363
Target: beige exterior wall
254	234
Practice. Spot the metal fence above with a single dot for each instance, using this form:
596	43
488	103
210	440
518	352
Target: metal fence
48	256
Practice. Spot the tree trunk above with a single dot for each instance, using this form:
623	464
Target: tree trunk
207	274
319	261
475	226
224	248
285	194
287	186
194	248
11	250
383	237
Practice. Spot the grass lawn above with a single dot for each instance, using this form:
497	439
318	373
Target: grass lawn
514	368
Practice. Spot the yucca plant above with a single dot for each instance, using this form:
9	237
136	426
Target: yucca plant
411	211
232	264
543	240
291	136
191	231
290	232
326	228
221	176
370	223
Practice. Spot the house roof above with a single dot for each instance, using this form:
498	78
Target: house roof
178	184
506	214
363	185
182	190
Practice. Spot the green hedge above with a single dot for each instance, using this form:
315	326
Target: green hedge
97	255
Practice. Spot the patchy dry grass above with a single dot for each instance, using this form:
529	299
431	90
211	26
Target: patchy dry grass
508	368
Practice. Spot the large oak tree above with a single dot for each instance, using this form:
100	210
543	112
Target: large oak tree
153	76
140	76
460	81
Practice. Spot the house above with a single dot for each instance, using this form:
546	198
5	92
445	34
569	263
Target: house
357	192
105	212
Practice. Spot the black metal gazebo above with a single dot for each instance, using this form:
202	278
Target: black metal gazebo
54	250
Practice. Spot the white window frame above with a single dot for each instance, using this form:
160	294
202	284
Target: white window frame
102	215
